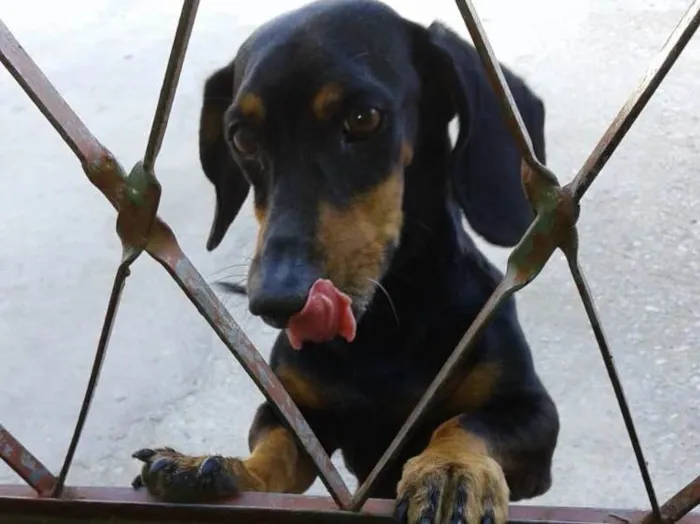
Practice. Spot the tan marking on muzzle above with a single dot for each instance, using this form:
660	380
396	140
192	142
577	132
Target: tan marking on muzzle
260	213
406	154
210	126
353	241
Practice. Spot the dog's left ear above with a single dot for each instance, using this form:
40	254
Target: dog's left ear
486	180
216	159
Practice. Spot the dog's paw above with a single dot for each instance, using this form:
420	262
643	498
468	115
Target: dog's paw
173	477
439	490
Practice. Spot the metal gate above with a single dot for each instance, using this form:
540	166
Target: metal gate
136	196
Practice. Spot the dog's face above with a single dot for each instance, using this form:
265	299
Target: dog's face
319	113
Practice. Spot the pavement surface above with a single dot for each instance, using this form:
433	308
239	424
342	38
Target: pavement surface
168	380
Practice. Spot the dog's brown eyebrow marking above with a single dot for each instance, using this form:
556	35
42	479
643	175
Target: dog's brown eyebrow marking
251	105
324	100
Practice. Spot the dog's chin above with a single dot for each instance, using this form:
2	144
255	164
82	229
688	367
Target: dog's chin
360	305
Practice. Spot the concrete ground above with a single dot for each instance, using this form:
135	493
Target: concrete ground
168	380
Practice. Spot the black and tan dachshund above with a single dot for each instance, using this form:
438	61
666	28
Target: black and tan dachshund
337	116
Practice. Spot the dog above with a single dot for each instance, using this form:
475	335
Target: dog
337	116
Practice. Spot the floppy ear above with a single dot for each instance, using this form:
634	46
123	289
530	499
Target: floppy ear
215	156
486	162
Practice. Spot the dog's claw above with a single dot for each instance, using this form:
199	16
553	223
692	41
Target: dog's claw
460	503
401	512
137	483
488	517
143	454
210	466
162	463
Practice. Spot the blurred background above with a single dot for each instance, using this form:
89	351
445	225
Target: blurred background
168	380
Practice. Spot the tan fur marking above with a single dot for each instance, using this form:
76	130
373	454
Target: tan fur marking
325	99
260	214
210	125
454	457
352	240
303	392
252	106
476	389
406	153
278	465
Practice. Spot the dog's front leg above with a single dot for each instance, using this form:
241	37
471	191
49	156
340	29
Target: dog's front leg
276	464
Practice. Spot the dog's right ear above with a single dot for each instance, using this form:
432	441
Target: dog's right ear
215	156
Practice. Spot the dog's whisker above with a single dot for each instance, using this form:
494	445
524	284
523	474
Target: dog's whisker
388	297
234	288
231	266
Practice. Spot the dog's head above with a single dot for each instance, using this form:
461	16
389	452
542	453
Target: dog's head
322	113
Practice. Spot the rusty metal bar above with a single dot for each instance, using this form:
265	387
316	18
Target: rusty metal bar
651	80
115	297
137	213
19	505
26	465
511	114
170	81
136	216
97	162
165	249
571	252
678	506
68	125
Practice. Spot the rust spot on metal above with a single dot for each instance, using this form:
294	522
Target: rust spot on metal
637	101
24	463
170	81
678	506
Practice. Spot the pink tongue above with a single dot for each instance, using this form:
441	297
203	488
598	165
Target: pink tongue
325	315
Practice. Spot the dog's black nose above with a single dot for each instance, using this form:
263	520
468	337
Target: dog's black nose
274	307
280	280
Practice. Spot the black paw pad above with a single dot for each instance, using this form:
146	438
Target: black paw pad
488	517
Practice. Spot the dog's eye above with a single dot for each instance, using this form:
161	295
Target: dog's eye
362	122
244	139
